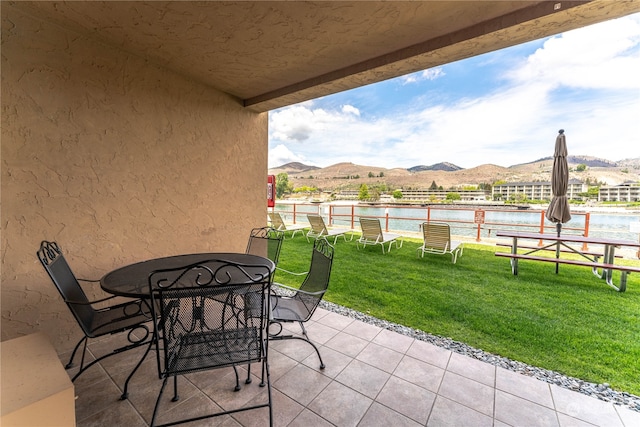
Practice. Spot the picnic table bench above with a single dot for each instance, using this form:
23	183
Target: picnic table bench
595	254
603	270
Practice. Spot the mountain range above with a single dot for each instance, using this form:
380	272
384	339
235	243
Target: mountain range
448	175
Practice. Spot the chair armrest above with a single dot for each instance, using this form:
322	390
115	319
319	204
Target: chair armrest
299	290
309	293
90	302
143	308
291	272
280	285
312	293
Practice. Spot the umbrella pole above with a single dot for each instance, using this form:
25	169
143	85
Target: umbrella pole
558	228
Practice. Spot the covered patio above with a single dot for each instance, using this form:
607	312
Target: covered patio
135	130
373	377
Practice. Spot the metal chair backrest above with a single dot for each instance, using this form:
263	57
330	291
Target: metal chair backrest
56	266
317	224
316	282
436	235
371	229
265	242
203	320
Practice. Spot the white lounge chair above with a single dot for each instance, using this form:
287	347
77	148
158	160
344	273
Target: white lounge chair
278	223
372	234
437	240
319	228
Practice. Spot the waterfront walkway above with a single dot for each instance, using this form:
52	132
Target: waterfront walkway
374	377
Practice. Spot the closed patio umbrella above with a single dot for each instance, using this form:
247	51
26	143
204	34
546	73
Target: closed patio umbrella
558	210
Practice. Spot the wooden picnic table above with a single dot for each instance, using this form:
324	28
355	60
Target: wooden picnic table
561	245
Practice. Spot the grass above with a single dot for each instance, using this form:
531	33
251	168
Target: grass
571	323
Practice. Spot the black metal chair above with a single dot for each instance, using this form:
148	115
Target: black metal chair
302	304
130	316
265	242
203	325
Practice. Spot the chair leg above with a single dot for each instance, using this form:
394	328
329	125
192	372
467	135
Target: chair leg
175	397
304	332
264	365
113	353
203	417
455	254
125	392
305	338
237	387
84	368
248	380
69	365
155	409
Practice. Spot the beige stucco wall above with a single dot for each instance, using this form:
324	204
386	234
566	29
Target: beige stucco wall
116	159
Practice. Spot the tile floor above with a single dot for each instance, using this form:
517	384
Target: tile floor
373	377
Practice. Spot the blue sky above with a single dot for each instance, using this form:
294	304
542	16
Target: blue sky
501	108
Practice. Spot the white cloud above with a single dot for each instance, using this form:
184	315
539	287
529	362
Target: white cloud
602	56
489	130
433	73
281	155
300	122
430	74
584	81
350	109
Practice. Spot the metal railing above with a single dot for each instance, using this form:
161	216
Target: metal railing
469	221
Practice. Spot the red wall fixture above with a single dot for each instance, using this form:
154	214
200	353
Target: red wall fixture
271	191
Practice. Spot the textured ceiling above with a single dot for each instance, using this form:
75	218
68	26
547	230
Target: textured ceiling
271	54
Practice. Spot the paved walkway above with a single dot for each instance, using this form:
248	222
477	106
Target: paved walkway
373	377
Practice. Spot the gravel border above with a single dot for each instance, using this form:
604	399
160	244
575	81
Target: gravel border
599	391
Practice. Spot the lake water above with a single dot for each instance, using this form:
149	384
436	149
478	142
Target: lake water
618	225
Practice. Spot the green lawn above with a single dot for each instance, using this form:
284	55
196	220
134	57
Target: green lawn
571	323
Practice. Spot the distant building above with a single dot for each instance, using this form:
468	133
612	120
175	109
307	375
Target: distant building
536	190
441	195
422	195
619	193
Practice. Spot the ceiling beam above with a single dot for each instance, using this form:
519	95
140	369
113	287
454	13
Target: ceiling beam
541	20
